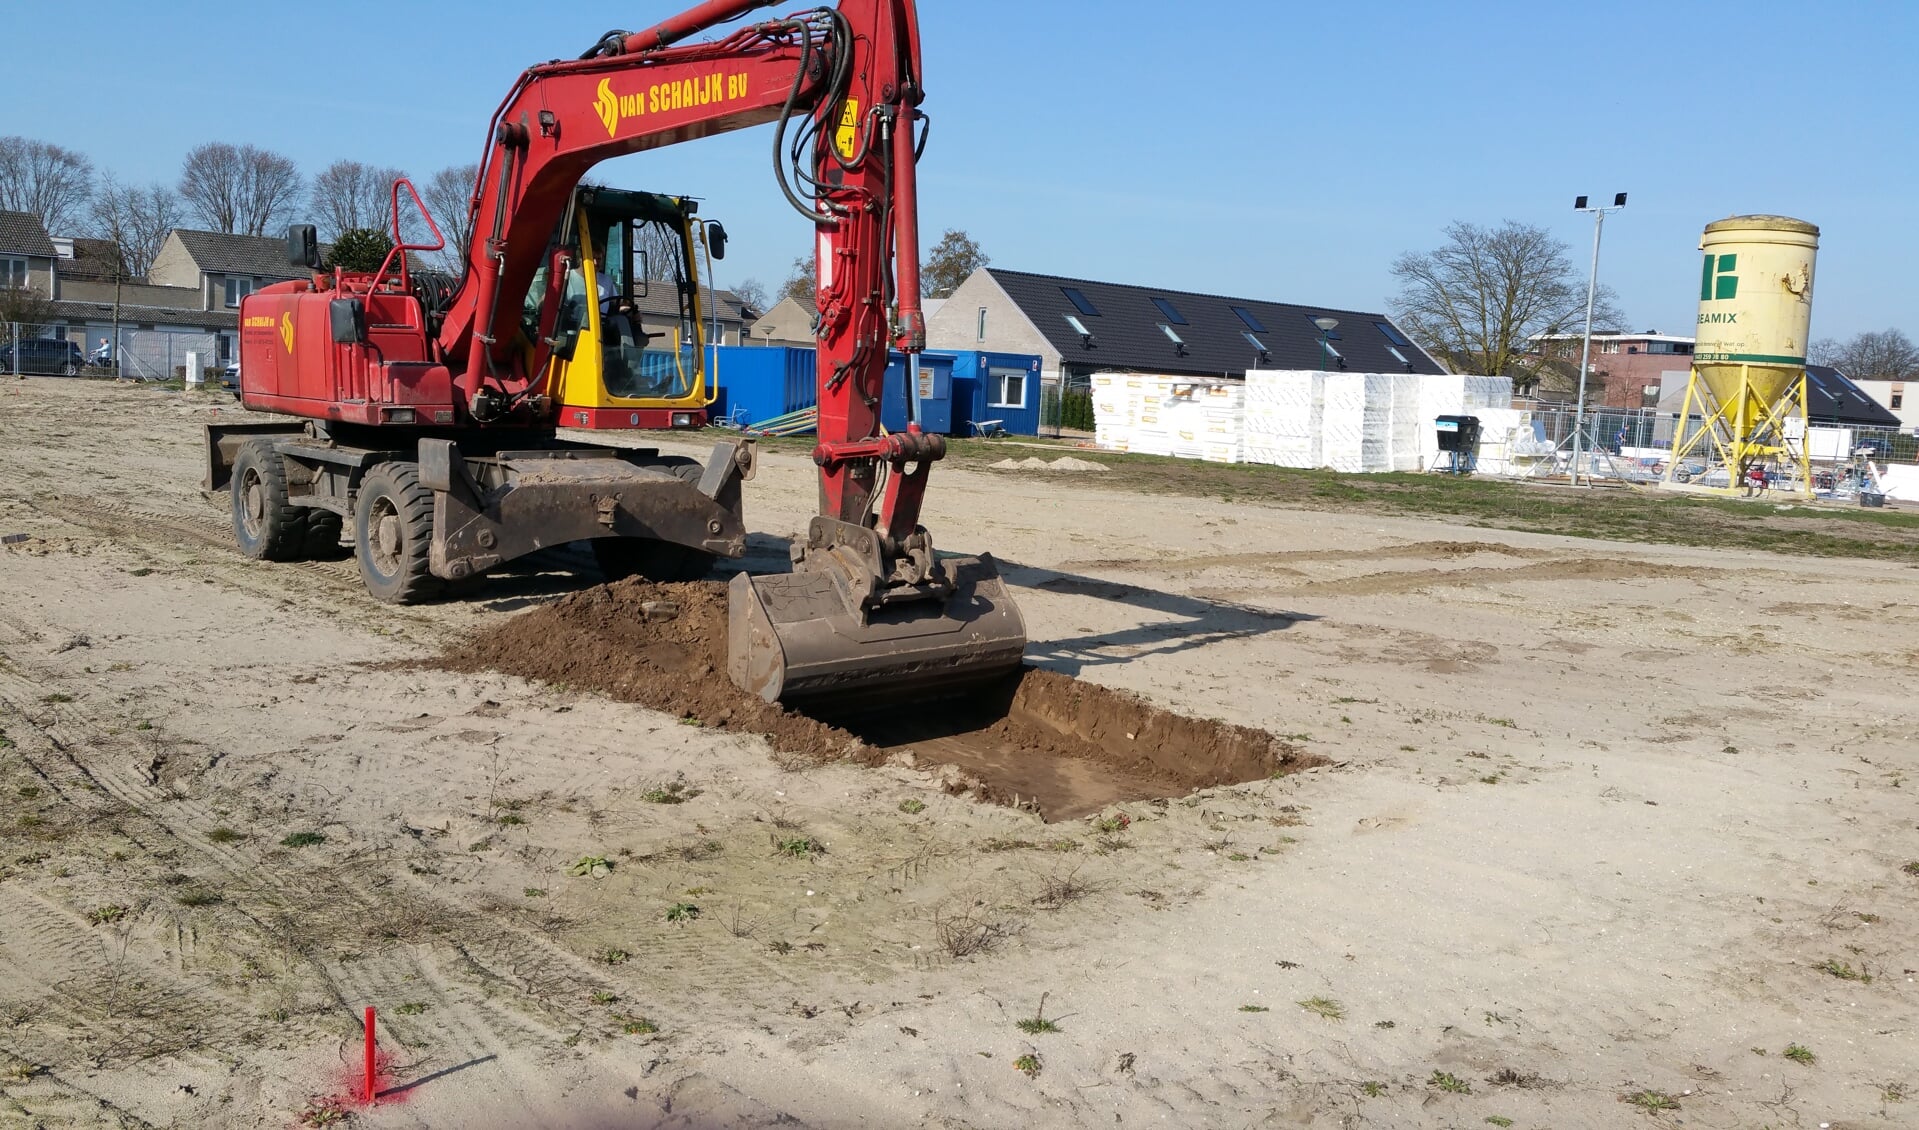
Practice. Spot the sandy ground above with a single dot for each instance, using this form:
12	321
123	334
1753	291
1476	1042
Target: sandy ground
1602	821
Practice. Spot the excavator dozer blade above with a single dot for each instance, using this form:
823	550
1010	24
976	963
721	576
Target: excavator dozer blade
792	639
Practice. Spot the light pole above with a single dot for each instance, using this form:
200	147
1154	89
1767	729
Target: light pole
1326	327
1586	351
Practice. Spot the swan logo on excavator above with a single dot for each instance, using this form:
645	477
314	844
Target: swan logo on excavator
609	107
286	330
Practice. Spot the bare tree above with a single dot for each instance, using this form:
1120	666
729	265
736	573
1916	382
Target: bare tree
1884	355
952	262
239	189
42	178
348	196
1478	302
802	281
449	197
136	220
752	295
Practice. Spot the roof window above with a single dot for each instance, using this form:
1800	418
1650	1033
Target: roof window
1171	311
1252	323
1080	302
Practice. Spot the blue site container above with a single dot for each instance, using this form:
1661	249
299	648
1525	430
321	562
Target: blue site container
936	393
757	383
1003	387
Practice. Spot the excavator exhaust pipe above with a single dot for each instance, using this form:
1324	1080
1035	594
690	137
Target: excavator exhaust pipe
796	639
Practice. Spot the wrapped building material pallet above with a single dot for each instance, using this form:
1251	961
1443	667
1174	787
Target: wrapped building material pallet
1284	415
1355	436
1408	421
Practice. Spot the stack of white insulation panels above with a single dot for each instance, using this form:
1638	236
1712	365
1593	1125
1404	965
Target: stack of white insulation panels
1283	416
1356	423
1152	414
1205	418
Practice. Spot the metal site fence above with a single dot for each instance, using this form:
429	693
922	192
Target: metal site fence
1636	441
29	349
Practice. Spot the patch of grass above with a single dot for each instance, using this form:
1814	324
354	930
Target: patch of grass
638	1026
1651	1100
1028	1063
21	1071
1499	1120
143	724
484	843
1372	1088
322	1113
106	915
56	698
912	806
27	792
1509	1077
997	844
1254	1008
1448	1082
603	997
224	835
676	791
1117	822
1324	1006
534	892
303	839
1911	868
591	866
412	1008
1833	967
198	898
508	819
1800	1054
1893	1093
1037	1023
612	956
682	912
799	847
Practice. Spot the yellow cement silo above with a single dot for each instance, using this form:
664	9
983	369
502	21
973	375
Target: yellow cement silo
1749	362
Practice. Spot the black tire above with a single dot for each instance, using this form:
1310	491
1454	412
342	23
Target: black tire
392	530
660	561
70	370
266	526
323	535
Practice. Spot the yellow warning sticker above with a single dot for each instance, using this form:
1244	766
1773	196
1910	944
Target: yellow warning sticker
847	138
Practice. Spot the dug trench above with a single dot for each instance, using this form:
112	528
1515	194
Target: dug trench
1040	740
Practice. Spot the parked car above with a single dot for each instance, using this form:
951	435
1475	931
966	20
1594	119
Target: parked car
42	355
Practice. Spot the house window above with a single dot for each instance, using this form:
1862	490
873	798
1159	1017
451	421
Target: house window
1079	327
13	272
1171	311
1080	302
1008	389
1898	401
1608	347
1255	342
1392	334
982	323
1252	323
238	289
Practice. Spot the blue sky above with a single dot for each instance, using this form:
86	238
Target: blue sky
1272	150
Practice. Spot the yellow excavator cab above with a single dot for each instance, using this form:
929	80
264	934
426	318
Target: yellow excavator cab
634	353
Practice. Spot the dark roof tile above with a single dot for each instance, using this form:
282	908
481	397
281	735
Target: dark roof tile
256	255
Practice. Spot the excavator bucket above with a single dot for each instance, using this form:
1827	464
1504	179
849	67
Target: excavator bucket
793	638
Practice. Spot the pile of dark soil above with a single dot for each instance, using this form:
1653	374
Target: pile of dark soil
1040	739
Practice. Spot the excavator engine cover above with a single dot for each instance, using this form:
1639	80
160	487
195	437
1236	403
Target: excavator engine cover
796	639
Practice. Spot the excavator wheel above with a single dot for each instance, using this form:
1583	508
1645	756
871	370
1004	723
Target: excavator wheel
661	561
265	524
323	535
392	530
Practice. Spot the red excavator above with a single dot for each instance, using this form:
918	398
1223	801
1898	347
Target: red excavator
427	408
